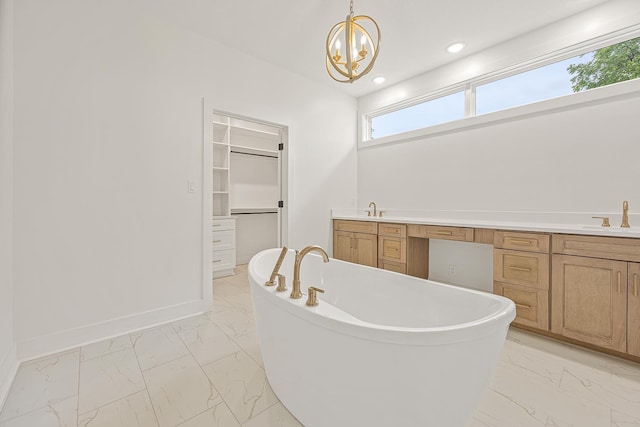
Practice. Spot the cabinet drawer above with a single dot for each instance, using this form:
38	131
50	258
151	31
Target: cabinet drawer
463	234
366	227
392	230
224	224
521	268
224	260
618	248
223	240
392	249
392	266
532	305
529	242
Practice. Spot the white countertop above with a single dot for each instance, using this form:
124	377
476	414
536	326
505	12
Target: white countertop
547	222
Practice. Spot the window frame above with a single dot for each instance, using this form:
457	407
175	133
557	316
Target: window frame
469	86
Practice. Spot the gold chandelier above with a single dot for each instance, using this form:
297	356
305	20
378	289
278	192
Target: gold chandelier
356	62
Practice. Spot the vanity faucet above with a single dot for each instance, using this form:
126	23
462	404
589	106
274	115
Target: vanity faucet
625	215
295	292
375	210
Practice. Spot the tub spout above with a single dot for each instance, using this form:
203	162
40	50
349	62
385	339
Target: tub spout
295	292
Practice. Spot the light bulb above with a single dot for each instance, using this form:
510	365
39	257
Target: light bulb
337	44
363	41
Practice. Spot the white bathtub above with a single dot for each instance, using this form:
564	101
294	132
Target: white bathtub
381	349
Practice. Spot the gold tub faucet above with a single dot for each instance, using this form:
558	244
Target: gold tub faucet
625	215
295	292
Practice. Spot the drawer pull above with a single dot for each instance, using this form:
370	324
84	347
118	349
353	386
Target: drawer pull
217	225
521	242
635	285
445	233
619	280
526	269
528	307
217	260
217	241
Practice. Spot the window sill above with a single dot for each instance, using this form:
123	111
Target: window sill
600	95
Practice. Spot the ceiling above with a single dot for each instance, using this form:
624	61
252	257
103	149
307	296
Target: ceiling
414	33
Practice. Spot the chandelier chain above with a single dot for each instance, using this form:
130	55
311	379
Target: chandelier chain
351	7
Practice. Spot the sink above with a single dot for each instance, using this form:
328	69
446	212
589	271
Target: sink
607	229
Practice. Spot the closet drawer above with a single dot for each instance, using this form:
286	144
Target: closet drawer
392	266
392	230
532	305
223	240
224	260
366	227
463	234
224	224
521	268
529	242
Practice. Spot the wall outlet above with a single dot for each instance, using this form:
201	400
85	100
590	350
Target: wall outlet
191	186
452	269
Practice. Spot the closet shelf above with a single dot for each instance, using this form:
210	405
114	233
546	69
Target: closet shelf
216	168
220	192
248	131
222	144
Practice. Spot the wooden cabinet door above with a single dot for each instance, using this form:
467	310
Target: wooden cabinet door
365	250
589	300
342	244
633	319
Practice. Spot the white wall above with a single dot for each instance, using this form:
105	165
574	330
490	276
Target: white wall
107	134
582	159
8	363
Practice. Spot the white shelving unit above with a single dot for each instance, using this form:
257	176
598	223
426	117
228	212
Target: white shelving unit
224	226
221	161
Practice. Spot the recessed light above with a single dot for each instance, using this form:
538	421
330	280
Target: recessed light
455	47
379	80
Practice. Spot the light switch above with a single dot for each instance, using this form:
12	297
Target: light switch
191	186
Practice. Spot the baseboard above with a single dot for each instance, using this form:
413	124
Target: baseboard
72	338
8	370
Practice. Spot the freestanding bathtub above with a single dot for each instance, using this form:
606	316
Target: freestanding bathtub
381	348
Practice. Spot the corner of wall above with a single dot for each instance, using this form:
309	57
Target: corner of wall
8	358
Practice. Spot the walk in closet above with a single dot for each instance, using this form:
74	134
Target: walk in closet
248	202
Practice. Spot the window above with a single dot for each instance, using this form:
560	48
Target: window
605	66
542	83
429	113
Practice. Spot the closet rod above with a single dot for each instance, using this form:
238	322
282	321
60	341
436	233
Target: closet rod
252	154
254	213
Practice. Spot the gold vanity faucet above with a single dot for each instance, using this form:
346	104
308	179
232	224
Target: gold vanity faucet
375	210
625	215
295	292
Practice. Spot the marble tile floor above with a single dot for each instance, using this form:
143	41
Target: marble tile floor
207	371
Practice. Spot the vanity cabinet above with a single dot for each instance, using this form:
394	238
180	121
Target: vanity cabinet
633	309
392	247
590	300
521	273
356	241
595	291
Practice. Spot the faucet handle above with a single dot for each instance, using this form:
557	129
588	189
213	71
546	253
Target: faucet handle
282	283
368	213
312	299
605	220
380	213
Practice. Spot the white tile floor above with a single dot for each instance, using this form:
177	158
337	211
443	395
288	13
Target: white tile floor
207	371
